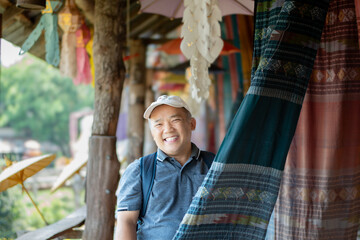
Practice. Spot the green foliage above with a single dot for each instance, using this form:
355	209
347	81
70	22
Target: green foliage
37	101
7	218
54	207
11	211
18	214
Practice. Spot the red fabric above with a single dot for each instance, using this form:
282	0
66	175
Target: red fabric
83	64
232	60
357	10
220	100
319	195
173	47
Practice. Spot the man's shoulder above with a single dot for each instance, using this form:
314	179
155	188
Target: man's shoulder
133	167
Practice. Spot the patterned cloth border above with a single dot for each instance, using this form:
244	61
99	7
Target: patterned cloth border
237	203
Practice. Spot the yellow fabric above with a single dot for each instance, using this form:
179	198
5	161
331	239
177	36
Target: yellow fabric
89	50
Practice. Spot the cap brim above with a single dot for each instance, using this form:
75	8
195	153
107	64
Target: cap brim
151	108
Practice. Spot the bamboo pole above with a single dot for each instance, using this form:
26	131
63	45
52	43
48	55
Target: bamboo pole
42	216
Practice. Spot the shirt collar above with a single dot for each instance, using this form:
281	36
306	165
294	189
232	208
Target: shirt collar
195	153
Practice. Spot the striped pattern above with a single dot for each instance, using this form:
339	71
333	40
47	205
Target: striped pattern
236	78
239	187
238	195
320	192
285	47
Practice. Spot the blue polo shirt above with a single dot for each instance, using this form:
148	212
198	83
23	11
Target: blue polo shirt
172	192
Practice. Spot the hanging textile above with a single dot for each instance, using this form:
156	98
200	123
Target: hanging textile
83	64
237	29
357	11
89	50
48	24
70	20
319	195
239	192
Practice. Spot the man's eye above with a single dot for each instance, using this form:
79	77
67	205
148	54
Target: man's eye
158	125
176	120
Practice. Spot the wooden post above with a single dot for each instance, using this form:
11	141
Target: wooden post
149	143
103	166
136	101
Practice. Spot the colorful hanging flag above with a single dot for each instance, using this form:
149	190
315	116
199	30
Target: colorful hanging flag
70	20
89	50
83	64
48	24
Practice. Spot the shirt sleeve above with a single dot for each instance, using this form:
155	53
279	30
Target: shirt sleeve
129	197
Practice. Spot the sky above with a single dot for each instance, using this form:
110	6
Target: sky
9	53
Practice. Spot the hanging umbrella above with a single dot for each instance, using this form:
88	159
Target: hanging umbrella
173	47
70	170
176	8
18	172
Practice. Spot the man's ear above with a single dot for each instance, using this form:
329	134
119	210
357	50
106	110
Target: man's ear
193	124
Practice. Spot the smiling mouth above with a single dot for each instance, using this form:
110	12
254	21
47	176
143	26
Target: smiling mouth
170	139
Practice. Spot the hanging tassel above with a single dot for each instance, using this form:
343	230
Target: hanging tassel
201	42
70	20
83	64
48	23
68	55
89	50
52	40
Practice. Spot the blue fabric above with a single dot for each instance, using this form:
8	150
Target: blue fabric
172	193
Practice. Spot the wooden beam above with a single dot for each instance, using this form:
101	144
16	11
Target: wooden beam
151	30
135	31
166	28
70	234
75	219
137	80
103	166
134	10
9	13
87	7
5	3
24	20
147	41
13	26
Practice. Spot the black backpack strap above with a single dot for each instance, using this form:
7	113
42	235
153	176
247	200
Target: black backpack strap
208	158
147	175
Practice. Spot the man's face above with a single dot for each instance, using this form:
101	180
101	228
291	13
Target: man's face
171	129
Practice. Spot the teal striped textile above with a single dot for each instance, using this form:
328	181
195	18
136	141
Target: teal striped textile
238	194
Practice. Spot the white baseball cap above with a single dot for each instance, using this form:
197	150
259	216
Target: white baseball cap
173	101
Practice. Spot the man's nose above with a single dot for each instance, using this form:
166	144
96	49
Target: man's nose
168	127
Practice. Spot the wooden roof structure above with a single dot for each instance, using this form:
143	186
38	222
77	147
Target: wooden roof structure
18	23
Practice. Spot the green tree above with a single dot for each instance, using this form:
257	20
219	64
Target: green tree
37	101
6	216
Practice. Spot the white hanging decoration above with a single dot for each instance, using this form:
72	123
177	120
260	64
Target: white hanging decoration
201	42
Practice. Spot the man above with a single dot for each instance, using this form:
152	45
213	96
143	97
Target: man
180	170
